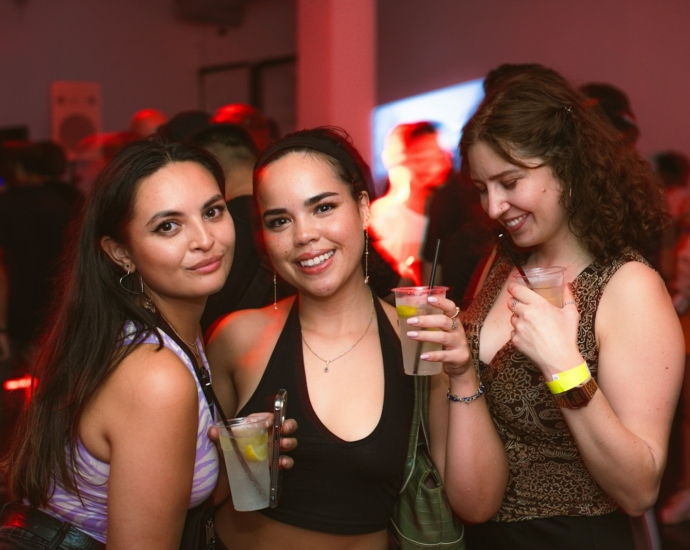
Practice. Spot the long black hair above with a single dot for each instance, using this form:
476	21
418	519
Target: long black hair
82	344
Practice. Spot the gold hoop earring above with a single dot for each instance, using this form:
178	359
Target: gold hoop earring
275	290
366	257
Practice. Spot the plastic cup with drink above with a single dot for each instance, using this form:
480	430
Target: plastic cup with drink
245	445
545	281
413	301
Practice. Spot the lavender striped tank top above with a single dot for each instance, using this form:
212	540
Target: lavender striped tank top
92	474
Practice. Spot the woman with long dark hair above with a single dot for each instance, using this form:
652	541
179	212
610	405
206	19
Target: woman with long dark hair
114	445
581	397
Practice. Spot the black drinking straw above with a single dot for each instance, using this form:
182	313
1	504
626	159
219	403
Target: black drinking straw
415	369
506	246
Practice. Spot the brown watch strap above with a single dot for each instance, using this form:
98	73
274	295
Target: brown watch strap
577	397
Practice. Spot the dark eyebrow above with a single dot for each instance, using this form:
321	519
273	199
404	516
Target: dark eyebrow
309	202
171	213
319	198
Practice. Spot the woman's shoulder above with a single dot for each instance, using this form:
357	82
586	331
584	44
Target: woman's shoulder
157	373
147	380
242	330
635	293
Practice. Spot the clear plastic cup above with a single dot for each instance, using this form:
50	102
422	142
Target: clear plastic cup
412	301
245	445
545	281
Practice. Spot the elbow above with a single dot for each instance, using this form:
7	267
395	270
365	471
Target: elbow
474	511
636	502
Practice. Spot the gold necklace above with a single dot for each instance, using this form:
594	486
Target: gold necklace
348	350
193	347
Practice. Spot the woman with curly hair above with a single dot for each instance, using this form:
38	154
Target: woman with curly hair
570	456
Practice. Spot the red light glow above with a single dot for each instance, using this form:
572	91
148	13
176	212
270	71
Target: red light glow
23	383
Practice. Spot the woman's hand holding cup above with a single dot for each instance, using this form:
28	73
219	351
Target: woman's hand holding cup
455	354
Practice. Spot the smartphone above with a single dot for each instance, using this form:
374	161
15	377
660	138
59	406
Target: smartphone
276	473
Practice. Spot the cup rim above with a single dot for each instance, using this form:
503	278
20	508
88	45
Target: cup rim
418	289
244	420
540	271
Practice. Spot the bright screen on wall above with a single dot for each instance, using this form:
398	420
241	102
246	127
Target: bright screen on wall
448	108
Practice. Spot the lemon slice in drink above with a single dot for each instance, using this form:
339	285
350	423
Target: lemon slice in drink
406	311
256	454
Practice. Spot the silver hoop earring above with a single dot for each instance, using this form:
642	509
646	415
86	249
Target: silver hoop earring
366	257
123	278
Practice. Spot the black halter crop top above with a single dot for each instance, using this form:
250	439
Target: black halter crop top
338	486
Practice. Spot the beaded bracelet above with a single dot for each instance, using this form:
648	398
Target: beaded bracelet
477	395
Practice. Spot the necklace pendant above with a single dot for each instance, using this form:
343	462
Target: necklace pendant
325	369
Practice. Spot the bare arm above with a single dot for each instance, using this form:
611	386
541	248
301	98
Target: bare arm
152	437
623	432
473	459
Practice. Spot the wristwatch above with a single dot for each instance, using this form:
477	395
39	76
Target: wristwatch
577	397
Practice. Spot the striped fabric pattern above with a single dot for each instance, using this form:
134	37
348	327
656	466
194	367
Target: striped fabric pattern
90	514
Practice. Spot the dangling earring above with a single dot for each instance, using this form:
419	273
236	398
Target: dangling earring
147	302
366	257
275	291
123	278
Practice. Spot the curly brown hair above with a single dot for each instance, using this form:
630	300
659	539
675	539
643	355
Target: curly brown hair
611	195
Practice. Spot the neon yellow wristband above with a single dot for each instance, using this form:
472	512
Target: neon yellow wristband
564	381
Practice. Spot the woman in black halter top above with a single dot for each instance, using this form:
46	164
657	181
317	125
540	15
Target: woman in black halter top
334	348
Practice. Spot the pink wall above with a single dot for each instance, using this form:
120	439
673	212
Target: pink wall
336	66
141	54
641	46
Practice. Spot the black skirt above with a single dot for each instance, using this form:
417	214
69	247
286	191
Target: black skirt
607	532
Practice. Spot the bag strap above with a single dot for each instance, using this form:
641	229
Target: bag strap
202	374
420	424
422	395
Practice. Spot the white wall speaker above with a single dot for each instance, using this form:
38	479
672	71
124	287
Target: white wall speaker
75	109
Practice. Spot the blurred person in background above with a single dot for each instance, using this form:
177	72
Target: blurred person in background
673	169
615	105
35	213
185	125
416	165
249	285
146	122
253	121
36	209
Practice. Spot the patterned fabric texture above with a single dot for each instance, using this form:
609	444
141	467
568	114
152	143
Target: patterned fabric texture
547	474
90	514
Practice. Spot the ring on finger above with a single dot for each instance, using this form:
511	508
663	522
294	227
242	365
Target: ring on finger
457	312
568	303
512	307
455	324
